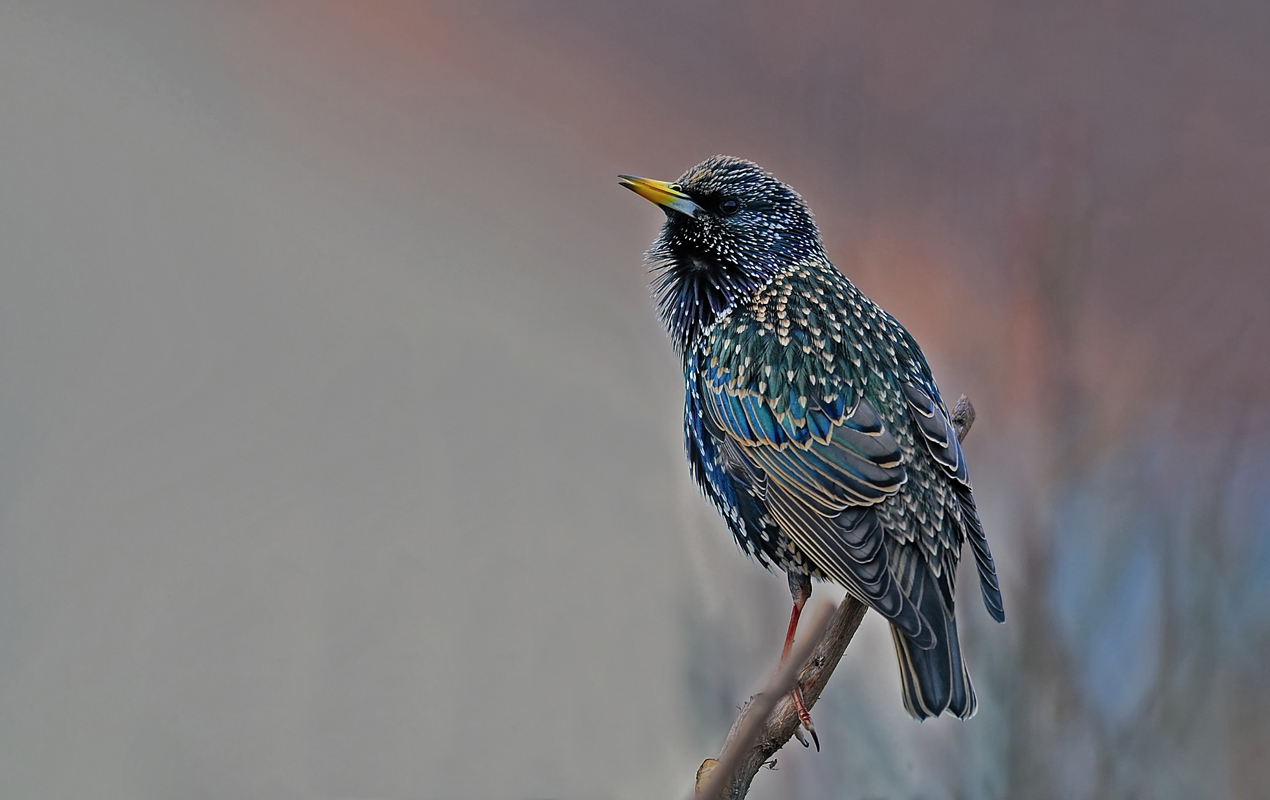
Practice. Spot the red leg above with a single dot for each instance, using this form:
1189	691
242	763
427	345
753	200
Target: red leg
800	590
799	601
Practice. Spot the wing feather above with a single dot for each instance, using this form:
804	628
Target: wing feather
941	440
821	479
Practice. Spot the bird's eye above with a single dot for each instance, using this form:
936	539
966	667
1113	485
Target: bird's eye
729	206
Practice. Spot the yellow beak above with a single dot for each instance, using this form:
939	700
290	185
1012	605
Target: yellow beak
662	193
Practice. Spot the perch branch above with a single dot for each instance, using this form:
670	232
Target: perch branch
769	719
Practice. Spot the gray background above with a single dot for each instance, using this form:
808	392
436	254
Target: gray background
339	446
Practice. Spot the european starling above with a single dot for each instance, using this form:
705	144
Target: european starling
812	421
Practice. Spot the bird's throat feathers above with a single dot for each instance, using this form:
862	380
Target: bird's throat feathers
693	290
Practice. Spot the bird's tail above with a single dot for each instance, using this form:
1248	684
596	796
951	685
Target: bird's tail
933	680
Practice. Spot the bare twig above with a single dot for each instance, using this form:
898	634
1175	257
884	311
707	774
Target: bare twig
963	416
769	719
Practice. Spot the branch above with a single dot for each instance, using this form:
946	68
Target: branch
769	718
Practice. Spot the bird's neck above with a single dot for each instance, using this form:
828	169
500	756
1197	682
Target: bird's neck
693	291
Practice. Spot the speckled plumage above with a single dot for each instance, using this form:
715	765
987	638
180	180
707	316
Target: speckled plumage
812	420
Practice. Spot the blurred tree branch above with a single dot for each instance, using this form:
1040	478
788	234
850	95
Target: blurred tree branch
769	719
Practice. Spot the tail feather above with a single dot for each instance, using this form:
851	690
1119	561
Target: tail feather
933	680
989	584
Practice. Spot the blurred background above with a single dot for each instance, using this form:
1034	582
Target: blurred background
340	446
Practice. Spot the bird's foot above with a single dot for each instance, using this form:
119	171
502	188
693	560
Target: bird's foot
804	717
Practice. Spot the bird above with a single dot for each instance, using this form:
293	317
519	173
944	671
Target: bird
812	421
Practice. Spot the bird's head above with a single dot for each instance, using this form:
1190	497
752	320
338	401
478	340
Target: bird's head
730	228
731	210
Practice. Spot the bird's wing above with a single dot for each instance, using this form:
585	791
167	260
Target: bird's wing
928	411
936	427
821	459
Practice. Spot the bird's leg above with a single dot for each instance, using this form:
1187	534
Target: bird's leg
800	590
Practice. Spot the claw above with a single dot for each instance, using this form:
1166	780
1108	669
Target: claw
804	716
